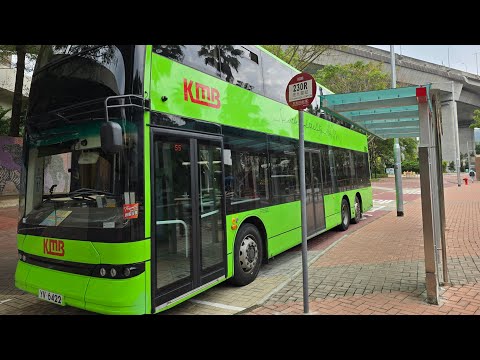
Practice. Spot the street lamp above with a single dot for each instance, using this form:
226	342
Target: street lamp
476	60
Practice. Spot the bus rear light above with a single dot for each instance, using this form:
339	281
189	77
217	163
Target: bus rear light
103	272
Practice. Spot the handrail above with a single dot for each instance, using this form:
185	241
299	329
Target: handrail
181	222
129	97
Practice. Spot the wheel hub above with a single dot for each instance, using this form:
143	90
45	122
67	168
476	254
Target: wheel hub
345	215
248	253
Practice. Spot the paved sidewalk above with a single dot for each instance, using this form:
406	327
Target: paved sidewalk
380	268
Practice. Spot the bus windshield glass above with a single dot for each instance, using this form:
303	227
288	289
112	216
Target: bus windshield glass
76	184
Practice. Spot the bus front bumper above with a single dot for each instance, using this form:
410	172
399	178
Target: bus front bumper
105	296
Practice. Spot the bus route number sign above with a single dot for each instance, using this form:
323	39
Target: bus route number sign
301	91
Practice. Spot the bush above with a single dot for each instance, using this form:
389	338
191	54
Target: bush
411	166
444	166
451	166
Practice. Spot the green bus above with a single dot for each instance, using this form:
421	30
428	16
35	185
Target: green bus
154	172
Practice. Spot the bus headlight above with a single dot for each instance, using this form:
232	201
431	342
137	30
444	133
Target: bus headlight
118	271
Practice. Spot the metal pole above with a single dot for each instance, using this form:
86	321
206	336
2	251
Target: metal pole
396	146
427	173
476	61
303	200
455	134
468	157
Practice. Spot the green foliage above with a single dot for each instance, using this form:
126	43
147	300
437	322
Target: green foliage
359	76
477	149
476	119
451	166
444	166
6	51
299	56
411	165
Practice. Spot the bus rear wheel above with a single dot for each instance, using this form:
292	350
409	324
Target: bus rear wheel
247	255
358	211
345	212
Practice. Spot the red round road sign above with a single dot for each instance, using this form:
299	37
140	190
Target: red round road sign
301	91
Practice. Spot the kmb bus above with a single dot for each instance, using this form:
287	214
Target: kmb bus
152	173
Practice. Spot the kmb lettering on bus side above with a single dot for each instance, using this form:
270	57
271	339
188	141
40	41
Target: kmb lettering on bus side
53	247
203	94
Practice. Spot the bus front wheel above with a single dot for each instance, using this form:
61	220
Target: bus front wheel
358	211
248	253
345	212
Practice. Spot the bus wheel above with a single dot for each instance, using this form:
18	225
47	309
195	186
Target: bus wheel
345	211
358	211
248	253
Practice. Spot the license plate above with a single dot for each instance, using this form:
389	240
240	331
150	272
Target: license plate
51	297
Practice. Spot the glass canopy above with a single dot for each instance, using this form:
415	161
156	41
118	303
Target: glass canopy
391	113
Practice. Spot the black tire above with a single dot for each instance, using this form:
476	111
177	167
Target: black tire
247	255
358	211
345	214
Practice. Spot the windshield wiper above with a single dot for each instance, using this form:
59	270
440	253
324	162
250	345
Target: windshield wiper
65	58
86	192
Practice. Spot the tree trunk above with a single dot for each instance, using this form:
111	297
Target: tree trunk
18	93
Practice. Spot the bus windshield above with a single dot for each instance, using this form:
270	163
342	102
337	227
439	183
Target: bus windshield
76	184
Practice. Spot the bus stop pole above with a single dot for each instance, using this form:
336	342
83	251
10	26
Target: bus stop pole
396	146
303	200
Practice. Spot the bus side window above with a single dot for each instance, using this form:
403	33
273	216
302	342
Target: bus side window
283	156
204	58
275	78
241	66
246	170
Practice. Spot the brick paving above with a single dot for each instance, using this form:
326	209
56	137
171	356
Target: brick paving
376	267
380	268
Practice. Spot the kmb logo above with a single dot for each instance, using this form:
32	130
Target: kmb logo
53	247
204	95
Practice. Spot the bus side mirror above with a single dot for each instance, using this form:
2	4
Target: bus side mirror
111	137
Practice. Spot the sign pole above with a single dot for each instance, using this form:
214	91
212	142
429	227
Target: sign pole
300	92
303	200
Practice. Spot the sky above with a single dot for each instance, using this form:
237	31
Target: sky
460	57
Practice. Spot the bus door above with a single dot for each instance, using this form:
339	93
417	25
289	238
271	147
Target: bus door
313	183
188	214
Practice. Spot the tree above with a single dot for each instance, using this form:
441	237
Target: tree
299	56
22	52
476	119
451	166
4	121
359	76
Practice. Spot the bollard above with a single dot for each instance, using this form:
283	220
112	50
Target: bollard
466	181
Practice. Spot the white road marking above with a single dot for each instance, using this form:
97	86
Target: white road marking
412	191
221	306
376	208
382	201
4	301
